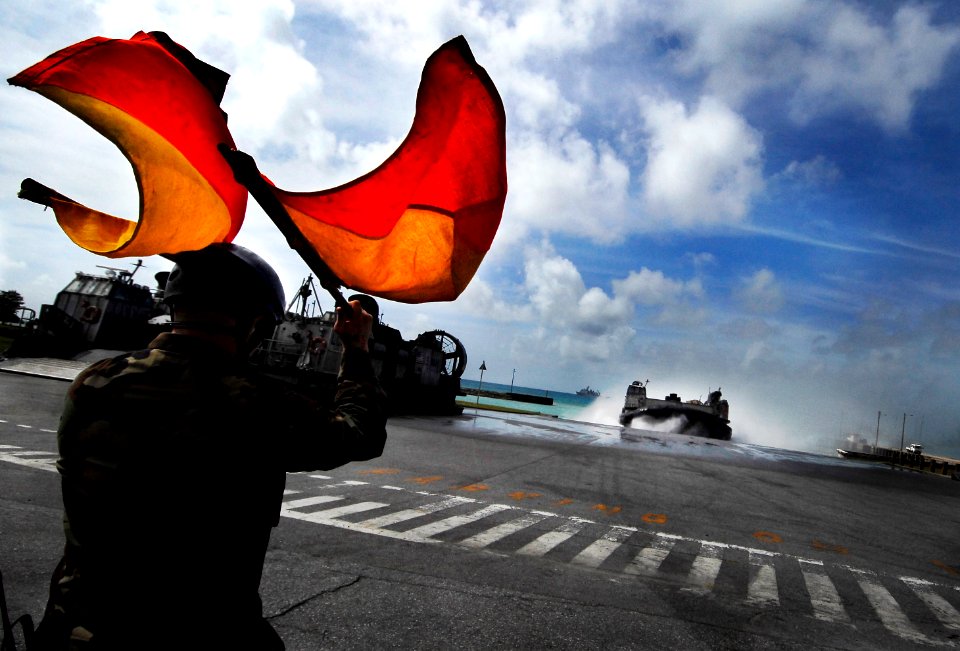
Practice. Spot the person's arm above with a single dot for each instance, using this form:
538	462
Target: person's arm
355	430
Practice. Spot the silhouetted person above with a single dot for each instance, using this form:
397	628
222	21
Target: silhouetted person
173	463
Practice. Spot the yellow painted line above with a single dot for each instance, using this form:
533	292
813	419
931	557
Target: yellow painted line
609	510
768	536
522	495
949	569
829	547
473	488
426	480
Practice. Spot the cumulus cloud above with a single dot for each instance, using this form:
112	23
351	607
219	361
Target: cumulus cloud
703	166
761	293
648	287
829	56
566	186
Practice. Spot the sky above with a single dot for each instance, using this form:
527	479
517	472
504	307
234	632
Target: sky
742	194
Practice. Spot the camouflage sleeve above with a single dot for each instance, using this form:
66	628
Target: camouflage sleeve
355	429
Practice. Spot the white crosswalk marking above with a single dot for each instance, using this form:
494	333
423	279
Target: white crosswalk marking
892	617
650	558
455	521
347	509
762	588
940	607
824	598
706	566
598	551
410	514
551	539
310	501
492	535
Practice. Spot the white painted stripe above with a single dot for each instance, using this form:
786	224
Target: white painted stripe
33	453
762	589
287	491
410	514
501	531
598	551
321	477
706	566
3	421
650	558
41	464
393	488
826	602
48	431
455	521
551	539
310	501
25	426
942	608
8	447
890	614
358	527
337	511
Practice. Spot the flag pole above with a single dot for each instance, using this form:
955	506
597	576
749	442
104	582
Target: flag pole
246	173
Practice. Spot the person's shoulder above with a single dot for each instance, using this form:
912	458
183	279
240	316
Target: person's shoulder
102	372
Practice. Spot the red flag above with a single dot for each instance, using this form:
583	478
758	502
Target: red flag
416	228
160	106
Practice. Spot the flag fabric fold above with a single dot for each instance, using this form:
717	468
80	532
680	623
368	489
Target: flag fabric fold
416	228
160	106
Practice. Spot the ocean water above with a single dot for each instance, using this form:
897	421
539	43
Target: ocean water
602	409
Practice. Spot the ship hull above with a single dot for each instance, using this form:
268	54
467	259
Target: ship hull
694	421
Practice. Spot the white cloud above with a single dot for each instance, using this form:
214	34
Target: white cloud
566	186
761	293
703	166
828	56
818	171
648	288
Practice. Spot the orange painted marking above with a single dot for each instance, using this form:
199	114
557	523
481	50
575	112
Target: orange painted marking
609	510
830	547
522	495
380	471
426	480
950	569
655	518
565	501
473	488
768	536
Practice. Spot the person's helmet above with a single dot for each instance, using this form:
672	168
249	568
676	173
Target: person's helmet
225	277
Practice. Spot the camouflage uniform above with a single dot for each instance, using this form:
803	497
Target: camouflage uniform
173	463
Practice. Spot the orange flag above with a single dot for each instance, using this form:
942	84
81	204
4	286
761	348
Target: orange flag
416	228
160	106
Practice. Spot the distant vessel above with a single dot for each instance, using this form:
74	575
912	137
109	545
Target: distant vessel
587	391
710	419
104	313
108	312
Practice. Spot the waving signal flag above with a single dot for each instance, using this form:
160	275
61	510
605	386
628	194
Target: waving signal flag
160	106
415	229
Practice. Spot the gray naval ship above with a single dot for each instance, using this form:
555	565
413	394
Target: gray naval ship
96	316
710	418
